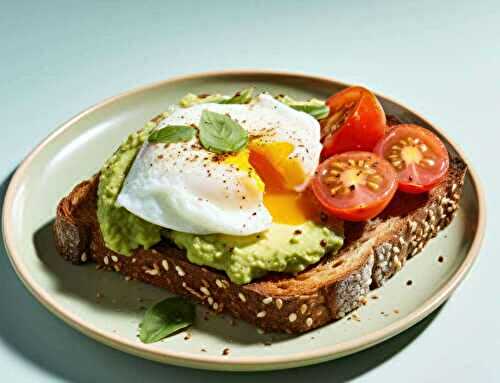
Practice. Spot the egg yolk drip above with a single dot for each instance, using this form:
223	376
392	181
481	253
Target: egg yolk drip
241	161
274	173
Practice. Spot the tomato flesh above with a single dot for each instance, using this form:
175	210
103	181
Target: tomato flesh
418	155
355	186
356	122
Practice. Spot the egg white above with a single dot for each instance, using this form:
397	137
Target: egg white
186	188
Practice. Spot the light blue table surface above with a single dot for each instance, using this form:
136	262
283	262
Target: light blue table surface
442	58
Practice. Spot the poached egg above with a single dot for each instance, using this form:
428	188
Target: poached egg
184	187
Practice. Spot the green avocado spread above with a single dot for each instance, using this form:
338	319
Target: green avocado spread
123	231
281	248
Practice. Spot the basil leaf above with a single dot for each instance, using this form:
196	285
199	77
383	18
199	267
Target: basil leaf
220	134
243	97
171	134
165	318
314	107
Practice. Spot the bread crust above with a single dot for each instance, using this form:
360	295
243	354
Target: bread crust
325	292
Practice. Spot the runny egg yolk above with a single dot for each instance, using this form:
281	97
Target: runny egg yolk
269	164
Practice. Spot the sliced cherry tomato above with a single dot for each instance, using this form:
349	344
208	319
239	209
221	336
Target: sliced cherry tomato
355	186
418	155
356	122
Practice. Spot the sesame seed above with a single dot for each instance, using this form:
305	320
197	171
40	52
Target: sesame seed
267	300
215	306
260	331
413	226
261	314
292	317
242	297
180	271
133	260
106	260
397	263
116	267
164	264
83	257
303	308
402	241
151	271
309	322
396	249
219	283
114	258
279	303
210	300
453	187
204	290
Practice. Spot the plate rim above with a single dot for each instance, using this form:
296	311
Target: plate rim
252	363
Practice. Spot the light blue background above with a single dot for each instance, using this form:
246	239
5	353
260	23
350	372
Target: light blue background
442	58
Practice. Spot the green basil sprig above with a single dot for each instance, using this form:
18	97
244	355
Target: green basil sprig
314	107
172	134
220	134
165	318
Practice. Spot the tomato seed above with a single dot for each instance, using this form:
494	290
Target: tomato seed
423	148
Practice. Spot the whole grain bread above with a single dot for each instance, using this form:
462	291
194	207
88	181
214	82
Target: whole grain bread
373	252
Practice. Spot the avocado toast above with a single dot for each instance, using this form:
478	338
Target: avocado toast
326	290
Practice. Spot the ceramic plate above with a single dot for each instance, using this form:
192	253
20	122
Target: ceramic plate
108	309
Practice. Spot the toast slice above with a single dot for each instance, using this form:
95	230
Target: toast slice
373	252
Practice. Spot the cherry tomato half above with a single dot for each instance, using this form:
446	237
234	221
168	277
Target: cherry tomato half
355	186
356	122
418	155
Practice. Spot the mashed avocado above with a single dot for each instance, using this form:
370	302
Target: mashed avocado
281	248
122	231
